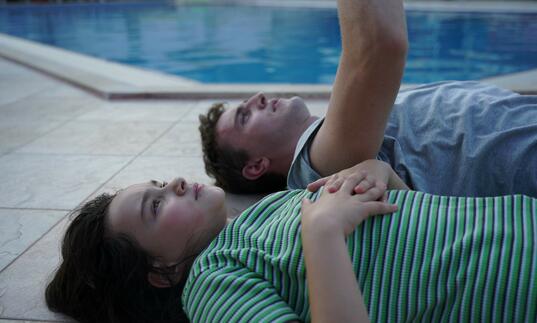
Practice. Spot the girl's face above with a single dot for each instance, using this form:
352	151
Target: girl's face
171	221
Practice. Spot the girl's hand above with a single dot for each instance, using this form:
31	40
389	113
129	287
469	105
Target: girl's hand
342	211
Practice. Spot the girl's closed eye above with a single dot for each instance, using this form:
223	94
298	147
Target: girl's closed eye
154	207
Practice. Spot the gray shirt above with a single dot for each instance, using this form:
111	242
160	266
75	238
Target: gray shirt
452	138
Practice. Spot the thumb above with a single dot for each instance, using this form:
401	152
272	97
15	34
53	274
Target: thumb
306	203
314	186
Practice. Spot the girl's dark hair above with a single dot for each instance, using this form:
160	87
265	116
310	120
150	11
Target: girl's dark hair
103	276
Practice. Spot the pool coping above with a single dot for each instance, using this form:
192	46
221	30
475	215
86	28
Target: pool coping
527	6
115	81
450	6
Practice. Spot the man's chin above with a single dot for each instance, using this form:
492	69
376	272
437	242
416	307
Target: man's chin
297	102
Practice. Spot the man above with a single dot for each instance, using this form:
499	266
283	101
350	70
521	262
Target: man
452	138
374	44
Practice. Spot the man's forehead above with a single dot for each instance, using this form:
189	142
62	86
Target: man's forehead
225	127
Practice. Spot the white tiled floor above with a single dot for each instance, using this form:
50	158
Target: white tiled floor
98	138
21	228
60	146
22	282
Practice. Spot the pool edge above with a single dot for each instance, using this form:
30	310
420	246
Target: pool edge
417	5
114	81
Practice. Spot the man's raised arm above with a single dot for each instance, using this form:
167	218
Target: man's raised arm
374	46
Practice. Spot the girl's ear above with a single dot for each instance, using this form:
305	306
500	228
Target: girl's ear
160	280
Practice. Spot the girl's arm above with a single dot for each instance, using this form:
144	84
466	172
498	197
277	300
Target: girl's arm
334	293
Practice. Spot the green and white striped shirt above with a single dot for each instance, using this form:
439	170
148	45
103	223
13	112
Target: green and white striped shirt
437	259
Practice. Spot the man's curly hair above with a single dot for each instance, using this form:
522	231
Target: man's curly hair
225	163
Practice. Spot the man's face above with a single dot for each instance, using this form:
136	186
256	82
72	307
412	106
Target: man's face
261	126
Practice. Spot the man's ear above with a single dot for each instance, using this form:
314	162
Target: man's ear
255	168
160	280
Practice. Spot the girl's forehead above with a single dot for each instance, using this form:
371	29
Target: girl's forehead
124	205
134	189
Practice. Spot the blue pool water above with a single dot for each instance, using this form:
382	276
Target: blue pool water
248	44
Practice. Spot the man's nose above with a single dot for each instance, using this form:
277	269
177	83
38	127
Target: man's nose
258	101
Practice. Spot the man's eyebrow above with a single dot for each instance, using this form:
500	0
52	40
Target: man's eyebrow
235	119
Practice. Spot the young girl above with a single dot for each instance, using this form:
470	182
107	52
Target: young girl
130	257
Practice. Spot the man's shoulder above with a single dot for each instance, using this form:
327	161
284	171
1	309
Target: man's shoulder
301	172
308	135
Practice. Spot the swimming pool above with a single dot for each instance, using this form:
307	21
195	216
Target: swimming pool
249	44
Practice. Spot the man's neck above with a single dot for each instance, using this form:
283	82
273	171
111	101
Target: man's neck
281	163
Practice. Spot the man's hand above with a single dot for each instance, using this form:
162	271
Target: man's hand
342	211
371	172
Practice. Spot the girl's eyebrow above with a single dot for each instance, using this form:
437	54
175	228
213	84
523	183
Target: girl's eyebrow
145	198
143	203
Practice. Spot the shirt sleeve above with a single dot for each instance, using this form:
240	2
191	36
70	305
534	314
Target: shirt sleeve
301	173
234	295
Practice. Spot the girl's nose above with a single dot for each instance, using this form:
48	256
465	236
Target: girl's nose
178	185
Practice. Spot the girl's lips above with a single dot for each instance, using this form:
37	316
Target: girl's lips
197	190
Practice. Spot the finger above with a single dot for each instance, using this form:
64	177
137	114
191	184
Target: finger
382	188
372	194
381	184
375	208
384	197
306	203
314	186
335	185
362	187
351	181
